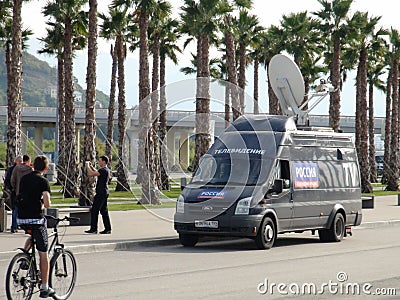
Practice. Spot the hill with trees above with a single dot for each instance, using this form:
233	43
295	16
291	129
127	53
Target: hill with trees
39	81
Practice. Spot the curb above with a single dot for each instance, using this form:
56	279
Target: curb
108	247
376	224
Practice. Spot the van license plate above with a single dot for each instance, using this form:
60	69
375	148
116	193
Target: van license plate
207	224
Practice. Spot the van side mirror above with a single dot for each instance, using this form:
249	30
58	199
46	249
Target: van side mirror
183	183
278	186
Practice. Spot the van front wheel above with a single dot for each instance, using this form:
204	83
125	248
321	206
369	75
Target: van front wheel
336	232
266	235
188	240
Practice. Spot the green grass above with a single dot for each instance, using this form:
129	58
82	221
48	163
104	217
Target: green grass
135	206
382	193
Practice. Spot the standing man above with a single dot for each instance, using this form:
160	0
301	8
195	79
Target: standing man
100	199
20	171
34	197
13	196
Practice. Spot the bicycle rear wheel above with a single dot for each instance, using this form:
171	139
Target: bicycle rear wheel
20	277
63	270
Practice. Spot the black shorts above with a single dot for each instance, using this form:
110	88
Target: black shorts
39	233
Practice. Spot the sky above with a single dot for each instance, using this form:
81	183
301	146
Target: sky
268	12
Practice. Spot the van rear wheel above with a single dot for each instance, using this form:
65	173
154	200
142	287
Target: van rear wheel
266	236
188	240
336	232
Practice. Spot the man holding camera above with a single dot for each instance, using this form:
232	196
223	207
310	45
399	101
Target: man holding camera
100	199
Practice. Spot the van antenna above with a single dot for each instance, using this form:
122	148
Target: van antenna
288	85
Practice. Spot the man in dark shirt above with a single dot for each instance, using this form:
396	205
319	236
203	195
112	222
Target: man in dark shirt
33	198
12	195
100	199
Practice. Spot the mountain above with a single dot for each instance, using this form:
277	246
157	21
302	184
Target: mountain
39	86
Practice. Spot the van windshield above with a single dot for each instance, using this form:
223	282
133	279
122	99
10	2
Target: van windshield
237	171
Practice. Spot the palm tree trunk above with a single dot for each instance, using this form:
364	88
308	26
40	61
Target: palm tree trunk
386	155
227	105
155	167
122	178
256	63
273	102
361	116
15	88
231	69
334	104
163	128
71	189
61	166
202	138
394	144
242	74
371	134
111	105
89	153
145	156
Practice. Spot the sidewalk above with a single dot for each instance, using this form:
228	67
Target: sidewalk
155	226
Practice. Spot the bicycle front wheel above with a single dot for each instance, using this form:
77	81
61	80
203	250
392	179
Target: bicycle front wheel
62	275
20	277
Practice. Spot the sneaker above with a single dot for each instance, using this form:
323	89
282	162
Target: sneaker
46	293
105	232
14	230
91	231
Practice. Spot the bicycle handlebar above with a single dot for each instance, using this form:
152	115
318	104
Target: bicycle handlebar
58	220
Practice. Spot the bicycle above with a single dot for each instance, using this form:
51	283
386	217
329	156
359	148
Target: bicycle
23	274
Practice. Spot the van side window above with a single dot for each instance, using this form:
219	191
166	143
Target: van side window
285	173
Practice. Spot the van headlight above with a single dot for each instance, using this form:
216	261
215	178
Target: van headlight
180	205
243	206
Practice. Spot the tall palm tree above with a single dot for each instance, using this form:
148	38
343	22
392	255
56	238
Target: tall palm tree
230	50
161	11
256	55
200	20
14	106
75	21
368	38
247	29
375	70
304	41
14	87
54	45
333	17
168	49
88	182
392	184
386	144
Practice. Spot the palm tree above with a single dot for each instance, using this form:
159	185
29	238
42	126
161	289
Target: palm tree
14	87
88	182
368	38
75	21
168	49
54	45
304	41
392	184
333	17
200	20
247	29
375	69
386	156
161	10
256	55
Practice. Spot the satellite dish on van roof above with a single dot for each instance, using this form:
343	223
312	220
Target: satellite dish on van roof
288	85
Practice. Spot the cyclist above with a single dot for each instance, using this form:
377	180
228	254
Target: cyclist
34	196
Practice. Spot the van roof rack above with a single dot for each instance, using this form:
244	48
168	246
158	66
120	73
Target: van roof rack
315	128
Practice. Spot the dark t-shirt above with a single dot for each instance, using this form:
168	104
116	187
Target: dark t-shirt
31	189
102	181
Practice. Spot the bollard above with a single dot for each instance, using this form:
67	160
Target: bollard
3	216
398	199
54	213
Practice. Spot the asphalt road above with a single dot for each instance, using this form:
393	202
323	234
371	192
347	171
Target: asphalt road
370	260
